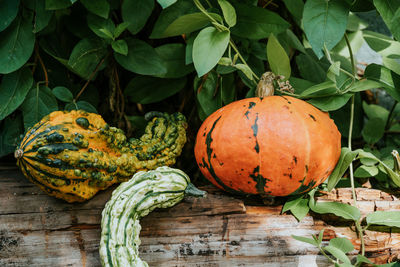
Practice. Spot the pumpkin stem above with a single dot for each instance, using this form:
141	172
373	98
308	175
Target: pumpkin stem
191	190
269	81
18	153
396	159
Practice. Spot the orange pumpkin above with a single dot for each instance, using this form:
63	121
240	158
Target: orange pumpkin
277	146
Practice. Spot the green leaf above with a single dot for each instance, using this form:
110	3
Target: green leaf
86	55
142	58
395	24
120	46
187	23
146	90
363	85
277	58
81	105
166	3
382	44
57	4
63	94
228	11
173	56
325	88
366	171
8	12
207	94
300	85
388	79
13	89
169	15
341	243
295	8
136	13
99	7
208	47
388	218
375	111
103	28
339	209
337	253
346	157
228	89
10	132
245	70
387	9
42	16
257	23
39	102
362	259
373	130
298	207
306	240
120	29
325	23
16	45
354	23
330	103
311	68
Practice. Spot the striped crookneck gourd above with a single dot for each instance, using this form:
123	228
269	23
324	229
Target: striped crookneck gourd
132	200
73	154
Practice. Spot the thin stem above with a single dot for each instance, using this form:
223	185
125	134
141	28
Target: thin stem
241	58
46	77
349	146
90	78
388	122
353	64
361	235
204	11
326	256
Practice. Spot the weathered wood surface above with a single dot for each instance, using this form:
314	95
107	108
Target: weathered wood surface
219	230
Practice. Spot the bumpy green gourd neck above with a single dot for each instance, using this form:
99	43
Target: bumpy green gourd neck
162	142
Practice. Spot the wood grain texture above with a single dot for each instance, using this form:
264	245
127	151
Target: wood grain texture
219	230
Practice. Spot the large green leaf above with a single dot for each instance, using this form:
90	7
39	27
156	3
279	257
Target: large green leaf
142	58
208	47
388	218
13	89
337	253
342	243
103	28
188	23
63	94
10	131
8	12
373	130
228	11
389	80
295	8
136	13
169	15
297	206
325	23
86	55
81	105
339	209
146	90
16	45
208	98
166	3
330	103
388	9
39	102
382	44
311	69
174	60
257	23
277	58
346	158
98	7
57	4
42	16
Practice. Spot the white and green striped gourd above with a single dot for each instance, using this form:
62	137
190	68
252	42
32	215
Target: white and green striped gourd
160	188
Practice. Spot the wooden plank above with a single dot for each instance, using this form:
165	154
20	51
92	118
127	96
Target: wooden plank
219	230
